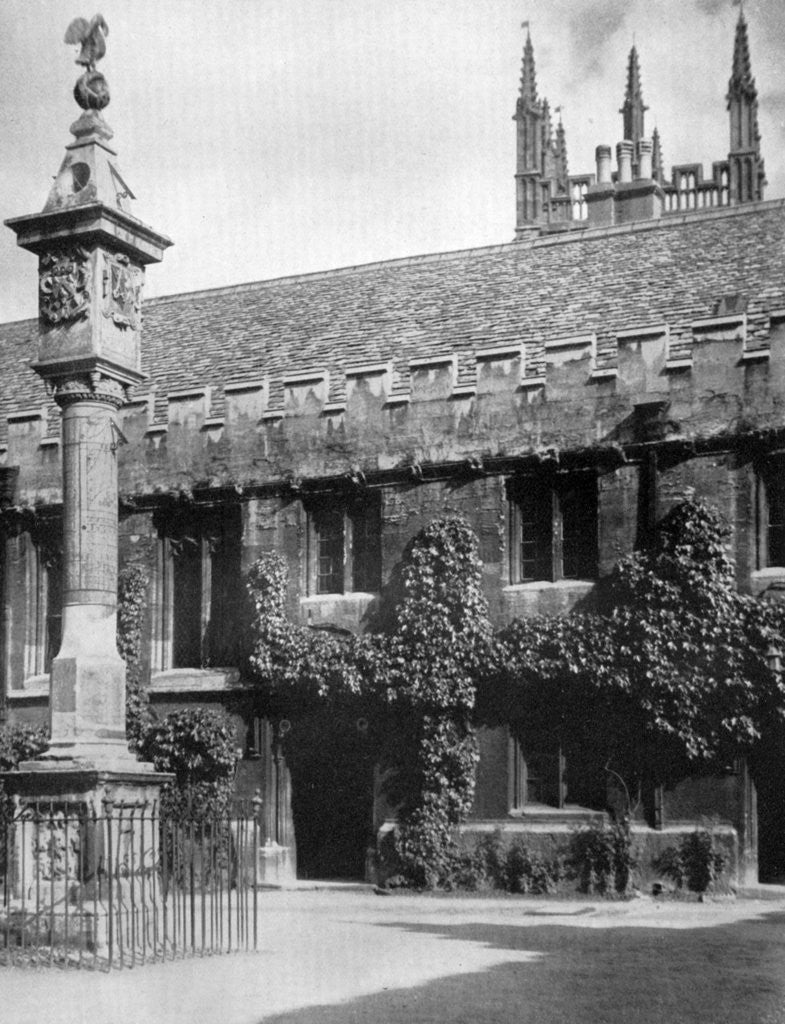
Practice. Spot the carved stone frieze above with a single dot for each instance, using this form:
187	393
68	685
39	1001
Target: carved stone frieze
64	285
122	293
90	387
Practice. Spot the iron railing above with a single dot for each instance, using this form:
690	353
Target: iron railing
126	885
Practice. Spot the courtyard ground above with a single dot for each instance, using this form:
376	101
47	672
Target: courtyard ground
337	957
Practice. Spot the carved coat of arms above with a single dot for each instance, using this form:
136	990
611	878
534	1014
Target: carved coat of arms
63	286
123	292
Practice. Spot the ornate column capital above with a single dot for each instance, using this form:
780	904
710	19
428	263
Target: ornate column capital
90	387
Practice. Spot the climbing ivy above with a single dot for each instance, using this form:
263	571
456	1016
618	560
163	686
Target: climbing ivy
132	586
296	667
440	640
669	672
672	667
418	674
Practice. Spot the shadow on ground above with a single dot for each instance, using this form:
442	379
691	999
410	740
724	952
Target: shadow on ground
728	974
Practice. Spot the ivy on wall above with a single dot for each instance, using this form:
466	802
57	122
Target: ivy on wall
132	584
419	676
439	644
671	672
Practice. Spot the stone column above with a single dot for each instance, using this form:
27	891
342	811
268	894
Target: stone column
88	675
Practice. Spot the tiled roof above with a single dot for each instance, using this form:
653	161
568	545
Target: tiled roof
598	280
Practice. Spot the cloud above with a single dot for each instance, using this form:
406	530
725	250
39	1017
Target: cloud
712	7
591	29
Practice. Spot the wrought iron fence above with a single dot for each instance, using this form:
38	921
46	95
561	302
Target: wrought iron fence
125	886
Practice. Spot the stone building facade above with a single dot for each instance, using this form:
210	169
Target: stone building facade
561	391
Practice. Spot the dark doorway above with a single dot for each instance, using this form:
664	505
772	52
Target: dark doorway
769	776
331	764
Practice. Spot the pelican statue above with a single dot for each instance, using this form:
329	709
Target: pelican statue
91	36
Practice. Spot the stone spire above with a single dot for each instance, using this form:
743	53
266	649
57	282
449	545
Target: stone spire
634	109
747	174
560	148
528	93
531	146
741	80
547	125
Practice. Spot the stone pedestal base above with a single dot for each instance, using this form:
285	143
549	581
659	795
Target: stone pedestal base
82	859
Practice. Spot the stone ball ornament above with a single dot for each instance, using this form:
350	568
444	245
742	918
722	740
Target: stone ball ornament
91	91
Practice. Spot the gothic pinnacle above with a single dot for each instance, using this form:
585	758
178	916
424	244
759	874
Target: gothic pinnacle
741	81
634	108
528	78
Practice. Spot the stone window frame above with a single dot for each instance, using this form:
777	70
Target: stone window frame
334	521
770	500
552	790
538	511
214	535
546	777
43	547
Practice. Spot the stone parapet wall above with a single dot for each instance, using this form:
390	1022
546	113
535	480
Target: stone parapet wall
722	376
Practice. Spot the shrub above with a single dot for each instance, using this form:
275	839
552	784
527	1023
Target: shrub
601	857
695	863
513	868
17	743
21	743
525	872
198	747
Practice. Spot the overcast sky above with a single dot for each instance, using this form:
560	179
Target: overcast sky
273	137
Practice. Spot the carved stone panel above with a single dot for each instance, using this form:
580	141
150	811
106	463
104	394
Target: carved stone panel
64	285
122	291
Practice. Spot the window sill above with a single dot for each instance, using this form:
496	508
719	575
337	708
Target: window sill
584	586
773	572
772	578
550	820
545	812
33	688
358	596
194	680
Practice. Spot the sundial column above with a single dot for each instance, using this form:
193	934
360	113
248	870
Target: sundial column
88	676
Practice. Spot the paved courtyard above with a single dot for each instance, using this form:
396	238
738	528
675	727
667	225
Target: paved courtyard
334	957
